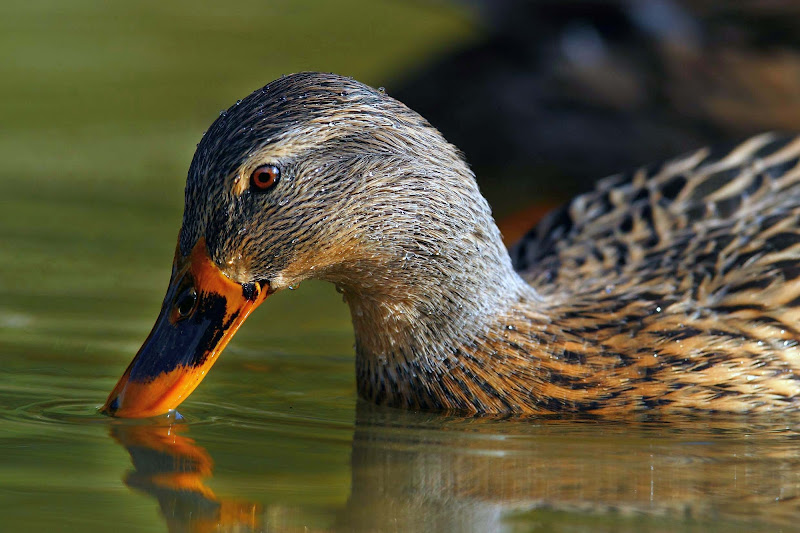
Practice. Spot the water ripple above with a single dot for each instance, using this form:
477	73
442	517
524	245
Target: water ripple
72	411
85	412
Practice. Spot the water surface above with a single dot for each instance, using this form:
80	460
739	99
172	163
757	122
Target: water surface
292	458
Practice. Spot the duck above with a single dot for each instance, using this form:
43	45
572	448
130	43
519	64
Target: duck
674	288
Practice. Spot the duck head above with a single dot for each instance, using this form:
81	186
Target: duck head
313	176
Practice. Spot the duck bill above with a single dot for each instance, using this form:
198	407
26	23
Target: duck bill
201	312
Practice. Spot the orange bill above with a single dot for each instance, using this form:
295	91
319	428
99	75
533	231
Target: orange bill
201	312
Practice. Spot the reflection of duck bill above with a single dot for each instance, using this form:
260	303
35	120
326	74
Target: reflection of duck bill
147	442
201	312
171	467
164	460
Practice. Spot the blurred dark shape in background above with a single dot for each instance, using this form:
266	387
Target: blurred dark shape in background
564	93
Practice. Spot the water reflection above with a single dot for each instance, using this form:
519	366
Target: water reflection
420	472
172	468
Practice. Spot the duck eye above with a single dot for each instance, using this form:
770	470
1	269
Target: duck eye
264	178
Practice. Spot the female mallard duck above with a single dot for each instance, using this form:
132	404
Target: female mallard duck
674	288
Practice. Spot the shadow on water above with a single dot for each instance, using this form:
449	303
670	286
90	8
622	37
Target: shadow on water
421	472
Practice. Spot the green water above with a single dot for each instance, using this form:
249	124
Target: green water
100	108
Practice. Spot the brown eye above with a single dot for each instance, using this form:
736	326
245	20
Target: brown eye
264	178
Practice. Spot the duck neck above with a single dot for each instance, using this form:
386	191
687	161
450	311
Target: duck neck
414	316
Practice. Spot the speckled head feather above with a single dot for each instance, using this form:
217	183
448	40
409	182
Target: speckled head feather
332	138
367	200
